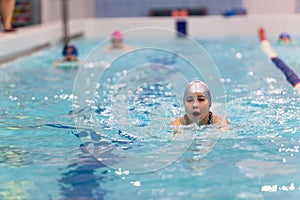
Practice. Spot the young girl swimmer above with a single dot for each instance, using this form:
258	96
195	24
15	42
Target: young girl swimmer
290	75
197	102
117	41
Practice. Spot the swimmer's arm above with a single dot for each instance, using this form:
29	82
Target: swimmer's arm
177	122
79	61
56	63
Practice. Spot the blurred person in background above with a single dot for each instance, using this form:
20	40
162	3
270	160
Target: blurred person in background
284	38
117	40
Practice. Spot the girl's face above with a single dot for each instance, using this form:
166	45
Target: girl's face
197	107
285	40
70	55
116	43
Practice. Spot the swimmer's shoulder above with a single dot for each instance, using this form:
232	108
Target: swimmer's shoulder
176	125
217	119
177	122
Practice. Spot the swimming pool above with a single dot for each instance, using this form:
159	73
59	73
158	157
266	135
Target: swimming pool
42	131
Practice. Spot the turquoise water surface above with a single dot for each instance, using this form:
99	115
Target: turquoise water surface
53	148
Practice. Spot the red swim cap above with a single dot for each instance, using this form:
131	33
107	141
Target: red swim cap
117	35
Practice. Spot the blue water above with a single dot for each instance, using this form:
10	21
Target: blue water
46	143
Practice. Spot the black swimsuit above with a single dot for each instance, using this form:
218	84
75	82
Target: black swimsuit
210	118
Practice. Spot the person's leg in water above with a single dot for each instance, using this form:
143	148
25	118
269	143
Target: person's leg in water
290	75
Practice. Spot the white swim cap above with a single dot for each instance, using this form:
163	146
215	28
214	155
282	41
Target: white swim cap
198	86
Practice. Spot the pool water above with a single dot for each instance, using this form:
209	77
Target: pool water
48	145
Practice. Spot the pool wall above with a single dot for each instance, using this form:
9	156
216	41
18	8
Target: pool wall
30	38
202	27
